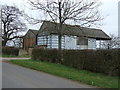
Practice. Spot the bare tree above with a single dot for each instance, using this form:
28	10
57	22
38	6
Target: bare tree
12	25
113	43
84	12
18	42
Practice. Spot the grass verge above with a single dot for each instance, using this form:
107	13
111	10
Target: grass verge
13	56
84	76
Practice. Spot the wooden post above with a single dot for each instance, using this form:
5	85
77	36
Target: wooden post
100	44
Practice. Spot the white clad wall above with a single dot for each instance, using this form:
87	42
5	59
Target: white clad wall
51	41
55	41
91	43
42	40
70	42
82	46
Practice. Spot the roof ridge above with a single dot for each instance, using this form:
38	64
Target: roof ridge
74	25
33	30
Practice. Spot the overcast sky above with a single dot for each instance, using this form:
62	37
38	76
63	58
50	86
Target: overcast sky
109	10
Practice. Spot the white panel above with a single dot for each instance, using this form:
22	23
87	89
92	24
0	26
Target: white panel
54	37
55	41
83	46
38	40
78	46
52	41
91	43
70	42
42	40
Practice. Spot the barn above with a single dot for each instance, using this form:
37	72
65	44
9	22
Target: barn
29	40
73	36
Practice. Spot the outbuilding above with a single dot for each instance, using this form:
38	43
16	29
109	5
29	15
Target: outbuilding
73	36
29	40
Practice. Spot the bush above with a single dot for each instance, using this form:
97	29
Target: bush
46	55
10	51
100	61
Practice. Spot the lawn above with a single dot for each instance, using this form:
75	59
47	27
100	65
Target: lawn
84	76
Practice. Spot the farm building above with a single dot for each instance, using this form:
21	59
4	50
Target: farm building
73	36
29	40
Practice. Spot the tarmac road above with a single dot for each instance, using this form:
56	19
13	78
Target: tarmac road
14	76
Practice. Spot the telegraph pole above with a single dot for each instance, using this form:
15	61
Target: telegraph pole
119	19
0	30
0	46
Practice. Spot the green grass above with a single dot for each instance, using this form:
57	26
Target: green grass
13	56
87	77
8	56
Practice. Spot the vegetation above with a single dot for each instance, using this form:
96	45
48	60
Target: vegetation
113	43
100	61
7	56
14	56
84	76
10	51
11	23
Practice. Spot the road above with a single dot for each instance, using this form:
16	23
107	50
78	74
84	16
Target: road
7	59
14	76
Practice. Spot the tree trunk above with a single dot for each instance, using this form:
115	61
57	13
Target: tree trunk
60	27
5	35
4	43
59	34
59	43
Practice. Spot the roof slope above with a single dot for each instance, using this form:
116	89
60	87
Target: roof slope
48	28
31	33
34	31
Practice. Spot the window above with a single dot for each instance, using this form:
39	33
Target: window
82	41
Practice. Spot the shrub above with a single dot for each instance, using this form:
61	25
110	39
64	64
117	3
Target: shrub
45	55
10	51
100	61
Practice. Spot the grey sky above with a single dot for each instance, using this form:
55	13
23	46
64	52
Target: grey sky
109	10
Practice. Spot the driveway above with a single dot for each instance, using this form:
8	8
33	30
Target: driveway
14	76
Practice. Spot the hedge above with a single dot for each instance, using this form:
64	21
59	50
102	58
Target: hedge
10	51
100	61
45	55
